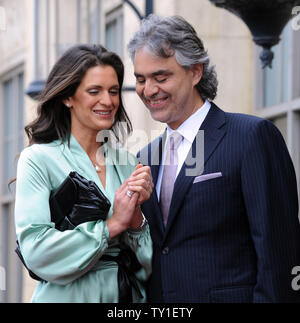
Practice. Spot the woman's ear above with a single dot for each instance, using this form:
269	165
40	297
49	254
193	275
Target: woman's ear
67	103
197	70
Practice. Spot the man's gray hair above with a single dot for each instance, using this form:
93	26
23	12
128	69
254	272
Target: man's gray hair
174	36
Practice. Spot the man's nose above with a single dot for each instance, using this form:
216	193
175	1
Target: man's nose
150	89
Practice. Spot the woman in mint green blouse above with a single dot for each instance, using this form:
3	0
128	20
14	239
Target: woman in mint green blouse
81	99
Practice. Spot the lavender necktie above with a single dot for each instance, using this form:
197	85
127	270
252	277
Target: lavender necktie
169	174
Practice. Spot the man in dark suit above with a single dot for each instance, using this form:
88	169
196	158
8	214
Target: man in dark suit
225	228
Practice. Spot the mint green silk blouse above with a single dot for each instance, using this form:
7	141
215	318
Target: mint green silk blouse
70	261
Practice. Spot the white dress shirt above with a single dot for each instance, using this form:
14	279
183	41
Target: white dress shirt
188	129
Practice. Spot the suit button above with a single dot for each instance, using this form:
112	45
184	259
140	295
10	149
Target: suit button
165	251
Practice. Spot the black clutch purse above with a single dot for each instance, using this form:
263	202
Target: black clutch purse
75	201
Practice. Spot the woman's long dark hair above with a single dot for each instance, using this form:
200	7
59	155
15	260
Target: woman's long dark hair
53	118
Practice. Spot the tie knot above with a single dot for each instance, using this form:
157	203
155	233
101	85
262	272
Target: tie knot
175	140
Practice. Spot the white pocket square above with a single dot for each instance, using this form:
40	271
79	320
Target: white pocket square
206	177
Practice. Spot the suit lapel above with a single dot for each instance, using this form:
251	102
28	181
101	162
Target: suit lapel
214	131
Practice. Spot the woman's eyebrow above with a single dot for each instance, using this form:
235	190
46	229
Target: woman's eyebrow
100	86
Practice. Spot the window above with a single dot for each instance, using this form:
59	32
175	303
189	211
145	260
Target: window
277	80
95	21
12	142
13	119
114	31
82	26
278	92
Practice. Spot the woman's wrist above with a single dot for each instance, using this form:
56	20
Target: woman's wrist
139	224
114	227
137	219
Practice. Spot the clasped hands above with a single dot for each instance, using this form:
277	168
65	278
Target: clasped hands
129	196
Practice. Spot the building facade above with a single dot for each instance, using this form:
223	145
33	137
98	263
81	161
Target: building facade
34	33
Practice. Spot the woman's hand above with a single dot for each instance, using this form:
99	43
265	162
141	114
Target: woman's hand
126	206
141	182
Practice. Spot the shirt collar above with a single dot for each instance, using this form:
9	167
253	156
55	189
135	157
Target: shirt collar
190	127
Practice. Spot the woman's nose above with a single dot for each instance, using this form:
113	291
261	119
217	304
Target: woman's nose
105	99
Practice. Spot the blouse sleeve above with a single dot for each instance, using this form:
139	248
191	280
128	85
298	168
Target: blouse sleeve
55	256
141	244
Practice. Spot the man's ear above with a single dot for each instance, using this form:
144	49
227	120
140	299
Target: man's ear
197	70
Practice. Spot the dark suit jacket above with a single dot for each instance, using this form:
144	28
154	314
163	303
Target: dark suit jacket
233	238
